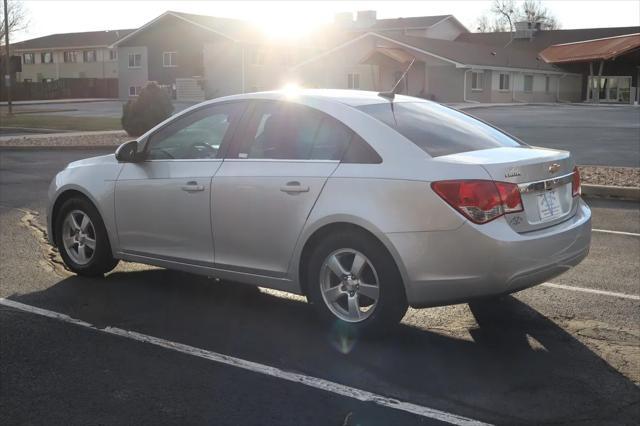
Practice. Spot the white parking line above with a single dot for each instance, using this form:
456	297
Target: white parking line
313	382
606	231
592	290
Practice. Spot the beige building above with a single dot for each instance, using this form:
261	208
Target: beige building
70	55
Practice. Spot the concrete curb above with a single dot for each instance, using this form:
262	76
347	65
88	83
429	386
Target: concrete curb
57	101
628	193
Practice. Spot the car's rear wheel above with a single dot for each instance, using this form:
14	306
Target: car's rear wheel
82	239
353	280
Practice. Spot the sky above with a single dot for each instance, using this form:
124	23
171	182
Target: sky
283	19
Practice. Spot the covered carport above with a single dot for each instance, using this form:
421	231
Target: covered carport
611	66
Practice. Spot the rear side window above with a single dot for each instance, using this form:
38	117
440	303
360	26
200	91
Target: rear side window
439	130
282	130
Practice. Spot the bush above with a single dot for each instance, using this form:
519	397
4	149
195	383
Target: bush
152	106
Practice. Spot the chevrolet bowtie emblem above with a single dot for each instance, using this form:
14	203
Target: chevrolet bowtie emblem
554	168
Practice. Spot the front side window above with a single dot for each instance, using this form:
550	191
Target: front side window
504	81
71	56
28	58
283	130
439	130
46	57
134	90
197	135
476	80
89	56
528	83
170	59
113	55
135	60
353	80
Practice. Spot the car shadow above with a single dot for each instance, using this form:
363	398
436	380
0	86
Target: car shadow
518	367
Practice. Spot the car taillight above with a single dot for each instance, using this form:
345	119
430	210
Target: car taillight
480	201
576	190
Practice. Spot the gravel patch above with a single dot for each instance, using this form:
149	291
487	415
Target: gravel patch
79	139
613	176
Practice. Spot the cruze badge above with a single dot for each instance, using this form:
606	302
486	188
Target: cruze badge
554	168
512	173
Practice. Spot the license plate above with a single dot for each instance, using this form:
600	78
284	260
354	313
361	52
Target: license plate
549	205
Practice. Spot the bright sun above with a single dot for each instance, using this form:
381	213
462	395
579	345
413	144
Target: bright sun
287	25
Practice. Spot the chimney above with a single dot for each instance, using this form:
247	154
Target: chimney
365	18
343	19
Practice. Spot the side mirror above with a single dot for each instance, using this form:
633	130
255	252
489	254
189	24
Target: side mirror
128	152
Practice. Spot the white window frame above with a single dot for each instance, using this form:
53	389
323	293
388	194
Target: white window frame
258	57
353	80
524	83
30	55
507	78
85	56
133	55
547	84
113	54
42	56
71	54
172	63
135	91
479	79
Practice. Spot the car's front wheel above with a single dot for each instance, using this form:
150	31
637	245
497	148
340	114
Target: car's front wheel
82	240
354	280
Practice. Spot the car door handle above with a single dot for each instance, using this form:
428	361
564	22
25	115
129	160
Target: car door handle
293	188
192	187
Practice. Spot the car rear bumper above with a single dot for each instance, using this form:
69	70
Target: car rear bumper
475	261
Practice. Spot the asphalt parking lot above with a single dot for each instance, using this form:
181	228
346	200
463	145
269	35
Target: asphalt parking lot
154	346
604	135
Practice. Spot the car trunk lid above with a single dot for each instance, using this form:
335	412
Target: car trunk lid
542	175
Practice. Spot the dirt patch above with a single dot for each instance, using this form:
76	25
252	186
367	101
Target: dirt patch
52	260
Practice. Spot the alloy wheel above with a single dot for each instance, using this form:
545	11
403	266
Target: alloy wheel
349	285
79	237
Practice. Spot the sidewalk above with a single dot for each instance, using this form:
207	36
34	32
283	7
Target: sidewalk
57	101
74	140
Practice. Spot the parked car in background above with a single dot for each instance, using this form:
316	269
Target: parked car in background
365	204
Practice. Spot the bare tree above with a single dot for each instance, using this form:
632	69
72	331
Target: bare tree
505	13
533	11
17	18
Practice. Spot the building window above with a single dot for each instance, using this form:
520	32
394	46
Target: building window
46	57
89	56
72	56
528	83
28	58
134	90
257	57
547	84
113	55
477	78
169	59
27	80
353	80
135	60
504	83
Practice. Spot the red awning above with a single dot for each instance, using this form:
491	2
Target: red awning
591	50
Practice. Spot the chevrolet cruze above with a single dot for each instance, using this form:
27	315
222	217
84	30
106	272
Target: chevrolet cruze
366	204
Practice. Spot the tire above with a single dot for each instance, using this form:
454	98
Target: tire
331	295
74	239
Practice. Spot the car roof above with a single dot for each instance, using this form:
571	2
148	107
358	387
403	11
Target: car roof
352	98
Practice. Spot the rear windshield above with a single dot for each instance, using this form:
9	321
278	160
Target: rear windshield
438	130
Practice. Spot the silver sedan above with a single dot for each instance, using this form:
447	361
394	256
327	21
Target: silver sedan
365	204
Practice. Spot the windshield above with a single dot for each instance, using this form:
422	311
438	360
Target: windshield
439	130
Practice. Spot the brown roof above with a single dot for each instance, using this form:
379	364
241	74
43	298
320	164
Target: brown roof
589	50
474	54
545	38
402	23
84	39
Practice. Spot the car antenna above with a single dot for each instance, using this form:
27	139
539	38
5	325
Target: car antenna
392	93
